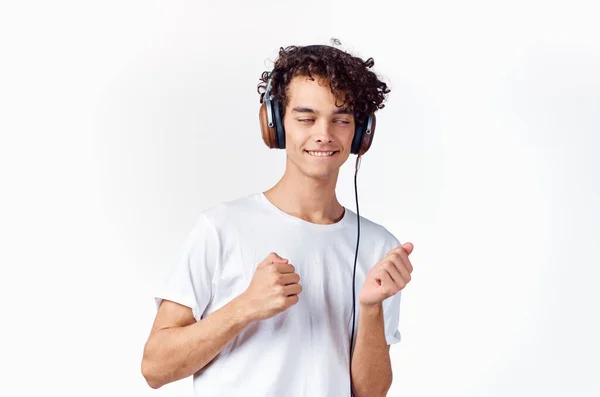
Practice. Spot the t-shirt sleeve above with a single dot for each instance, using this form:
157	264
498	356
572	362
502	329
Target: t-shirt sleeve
189	280
391	305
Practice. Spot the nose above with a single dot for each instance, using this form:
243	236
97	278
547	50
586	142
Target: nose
323	134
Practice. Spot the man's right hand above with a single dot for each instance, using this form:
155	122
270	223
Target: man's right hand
273	289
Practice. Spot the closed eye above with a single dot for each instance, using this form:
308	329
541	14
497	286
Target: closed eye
305	121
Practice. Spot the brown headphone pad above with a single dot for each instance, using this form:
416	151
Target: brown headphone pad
367	139
268	133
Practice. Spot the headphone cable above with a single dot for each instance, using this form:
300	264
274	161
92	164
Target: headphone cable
354	270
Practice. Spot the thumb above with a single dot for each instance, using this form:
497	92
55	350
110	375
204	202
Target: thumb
408	247
276	256
272	258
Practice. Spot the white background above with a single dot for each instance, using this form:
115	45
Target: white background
122	120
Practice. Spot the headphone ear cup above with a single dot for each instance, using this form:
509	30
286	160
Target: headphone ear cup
368	135
268	133
363	136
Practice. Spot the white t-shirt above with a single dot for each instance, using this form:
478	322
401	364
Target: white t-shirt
304	350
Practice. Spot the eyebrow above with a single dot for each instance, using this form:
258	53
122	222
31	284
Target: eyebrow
302	109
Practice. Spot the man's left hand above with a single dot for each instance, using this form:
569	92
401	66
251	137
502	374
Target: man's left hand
388	276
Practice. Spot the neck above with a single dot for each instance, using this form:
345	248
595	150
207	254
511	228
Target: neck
310	199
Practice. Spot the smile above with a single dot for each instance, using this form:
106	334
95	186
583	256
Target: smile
321	154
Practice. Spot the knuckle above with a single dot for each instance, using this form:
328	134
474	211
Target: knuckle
279	302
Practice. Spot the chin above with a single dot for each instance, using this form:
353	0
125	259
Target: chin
320	174
318	170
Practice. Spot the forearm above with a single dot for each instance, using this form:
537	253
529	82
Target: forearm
176	353
371	367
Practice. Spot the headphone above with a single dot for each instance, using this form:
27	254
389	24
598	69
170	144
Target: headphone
273	132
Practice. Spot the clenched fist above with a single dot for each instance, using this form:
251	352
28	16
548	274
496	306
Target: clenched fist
388	276
273	289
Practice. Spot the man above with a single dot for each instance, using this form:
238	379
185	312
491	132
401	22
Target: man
260	301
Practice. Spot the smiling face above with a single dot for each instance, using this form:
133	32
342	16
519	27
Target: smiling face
318	133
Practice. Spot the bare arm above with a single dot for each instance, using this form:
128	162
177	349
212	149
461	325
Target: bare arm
371	367
178	346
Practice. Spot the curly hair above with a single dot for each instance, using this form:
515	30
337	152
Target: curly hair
347	75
